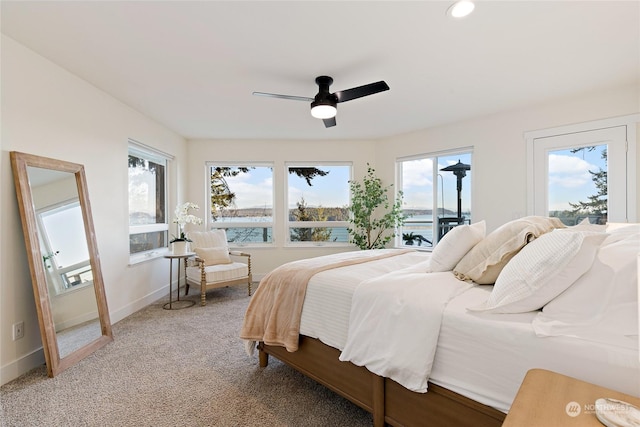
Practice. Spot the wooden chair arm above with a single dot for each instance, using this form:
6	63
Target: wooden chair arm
238	253
195	262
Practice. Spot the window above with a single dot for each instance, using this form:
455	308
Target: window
148	225
317	203
583	172
436	196
241	198
65	253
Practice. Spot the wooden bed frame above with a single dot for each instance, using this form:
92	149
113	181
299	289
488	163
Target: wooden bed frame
389	402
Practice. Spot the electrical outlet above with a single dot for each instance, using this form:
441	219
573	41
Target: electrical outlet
18	330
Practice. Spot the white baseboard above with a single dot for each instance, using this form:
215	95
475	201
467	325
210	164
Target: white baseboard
24	364
139	304
69	323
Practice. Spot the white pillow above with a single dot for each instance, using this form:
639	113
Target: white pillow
216	238
454	245
484	262
542	270
213	256
602	305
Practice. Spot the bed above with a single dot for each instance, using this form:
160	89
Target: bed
577	316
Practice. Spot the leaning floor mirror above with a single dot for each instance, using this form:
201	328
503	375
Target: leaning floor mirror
63	258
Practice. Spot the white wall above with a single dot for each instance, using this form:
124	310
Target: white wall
49	112
263	259
499	154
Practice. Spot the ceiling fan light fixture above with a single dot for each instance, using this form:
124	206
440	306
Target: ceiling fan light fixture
323	109
323	105
460	9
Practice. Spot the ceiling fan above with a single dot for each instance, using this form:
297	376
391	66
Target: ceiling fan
323	106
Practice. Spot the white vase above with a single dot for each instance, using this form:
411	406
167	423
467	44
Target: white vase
179	248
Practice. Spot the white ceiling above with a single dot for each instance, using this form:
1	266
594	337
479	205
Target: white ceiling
193	66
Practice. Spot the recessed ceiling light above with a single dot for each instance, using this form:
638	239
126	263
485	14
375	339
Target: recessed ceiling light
460	9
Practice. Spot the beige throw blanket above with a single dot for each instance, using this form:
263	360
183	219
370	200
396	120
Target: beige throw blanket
274	312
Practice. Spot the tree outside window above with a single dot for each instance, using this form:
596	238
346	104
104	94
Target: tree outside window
147	177
578	186
318	199
241	202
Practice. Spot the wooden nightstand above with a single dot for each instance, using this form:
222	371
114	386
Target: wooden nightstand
547	398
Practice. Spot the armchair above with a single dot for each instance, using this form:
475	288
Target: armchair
214	266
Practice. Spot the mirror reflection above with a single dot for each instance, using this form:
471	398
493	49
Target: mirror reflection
63	257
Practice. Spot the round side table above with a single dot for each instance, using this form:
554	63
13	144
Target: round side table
178	304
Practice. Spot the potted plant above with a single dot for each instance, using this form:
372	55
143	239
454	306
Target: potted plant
182	218
372	213
410	238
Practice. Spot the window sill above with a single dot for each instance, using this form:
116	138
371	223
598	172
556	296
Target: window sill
418	248
240	246
147	256
73	289
315	245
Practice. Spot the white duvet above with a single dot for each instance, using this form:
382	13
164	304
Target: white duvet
395	322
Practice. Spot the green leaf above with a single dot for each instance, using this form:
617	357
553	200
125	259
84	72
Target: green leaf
374	217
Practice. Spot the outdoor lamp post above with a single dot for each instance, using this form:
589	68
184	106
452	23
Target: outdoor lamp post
460	171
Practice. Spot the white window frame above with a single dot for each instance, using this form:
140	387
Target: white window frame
436	193
144	151
621	162
288	225
248	224
56	273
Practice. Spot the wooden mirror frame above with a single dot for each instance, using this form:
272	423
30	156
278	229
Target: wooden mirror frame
19	163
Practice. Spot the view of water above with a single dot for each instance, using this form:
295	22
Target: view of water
244	235
419	225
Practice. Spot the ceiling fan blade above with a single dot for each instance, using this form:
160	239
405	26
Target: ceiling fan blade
291	97
329	122
360	91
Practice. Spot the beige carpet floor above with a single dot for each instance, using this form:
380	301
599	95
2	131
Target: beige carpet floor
176	368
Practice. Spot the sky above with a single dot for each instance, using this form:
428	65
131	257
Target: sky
327	191
417	179
64	230
254	188
569	177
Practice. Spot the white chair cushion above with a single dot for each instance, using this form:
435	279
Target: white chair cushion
214	256
208	239
220	272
